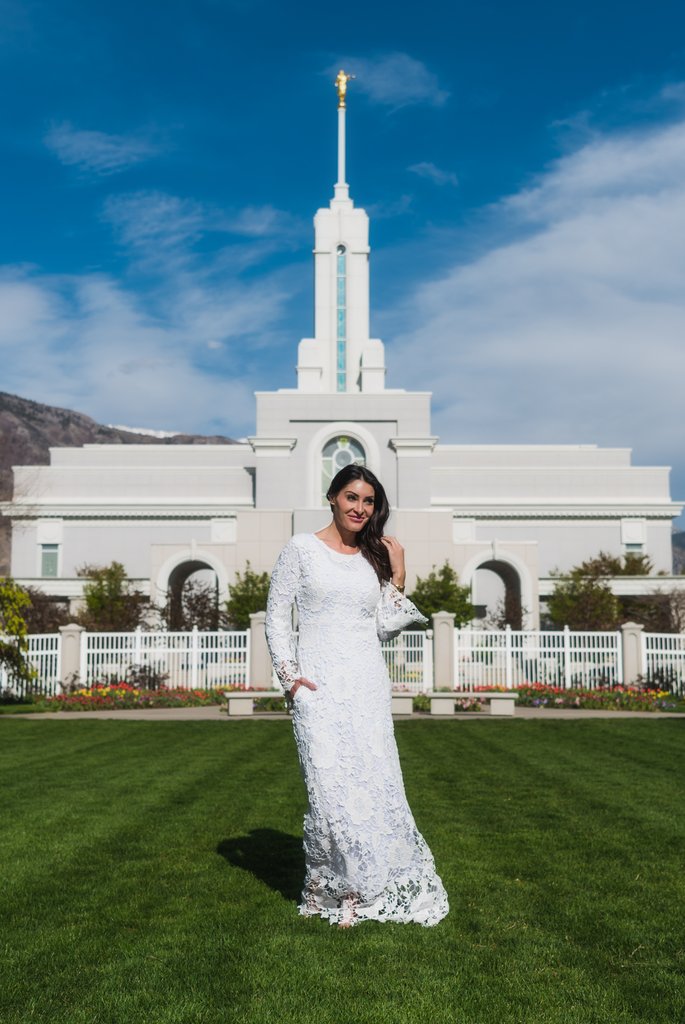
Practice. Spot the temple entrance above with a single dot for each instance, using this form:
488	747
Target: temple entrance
193	597
497	592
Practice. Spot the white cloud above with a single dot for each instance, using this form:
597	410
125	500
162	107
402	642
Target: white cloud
602	171
394	80
387	208
569	326
425	169
177	354
163	228
176	341
260	221
172	342
97	152
146	219
673	91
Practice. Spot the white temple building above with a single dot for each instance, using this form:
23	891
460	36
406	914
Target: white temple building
516	511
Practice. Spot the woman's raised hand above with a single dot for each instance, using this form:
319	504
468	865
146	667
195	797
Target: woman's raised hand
396	555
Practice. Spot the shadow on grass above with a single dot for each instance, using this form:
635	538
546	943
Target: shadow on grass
275	858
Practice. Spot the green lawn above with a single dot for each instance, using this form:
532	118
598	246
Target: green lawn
150	872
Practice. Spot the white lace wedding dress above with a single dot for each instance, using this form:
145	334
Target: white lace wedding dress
365	857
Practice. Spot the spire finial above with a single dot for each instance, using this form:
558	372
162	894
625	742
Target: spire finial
341	84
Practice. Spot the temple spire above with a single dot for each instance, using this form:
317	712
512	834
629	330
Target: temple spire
341	186
341	358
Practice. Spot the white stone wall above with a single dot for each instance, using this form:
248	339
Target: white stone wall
562	544
292	477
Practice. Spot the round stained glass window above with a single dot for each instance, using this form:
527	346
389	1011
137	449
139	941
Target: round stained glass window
338	453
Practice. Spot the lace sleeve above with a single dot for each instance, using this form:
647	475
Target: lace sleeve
395	612
285	580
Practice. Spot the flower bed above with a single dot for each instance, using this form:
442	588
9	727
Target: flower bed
617	698
539	695
122	696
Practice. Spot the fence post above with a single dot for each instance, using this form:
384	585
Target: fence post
138	647
260	659
631	641
508	659
443	650
427	660
567	658
70	662
194	657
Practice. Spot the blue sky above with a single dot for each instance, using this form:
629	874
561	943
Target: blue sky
523	166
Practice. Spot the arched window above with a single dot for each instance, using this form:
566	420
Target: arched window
341	319
338	453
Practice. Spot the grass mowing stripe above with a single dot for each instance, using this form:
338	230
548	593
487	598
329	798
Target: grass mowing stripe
561	778
173	899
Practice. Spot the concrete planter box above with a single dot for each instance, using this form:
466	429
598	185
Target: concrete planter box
402	703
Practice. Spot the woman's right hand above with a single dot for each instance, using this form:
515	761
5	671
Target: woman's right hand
301	682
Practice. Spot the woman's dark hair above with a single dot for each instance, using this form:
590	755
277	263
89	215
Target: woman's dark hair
370	544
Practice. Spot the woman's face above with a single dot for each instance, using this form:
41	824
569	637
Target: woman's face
353	505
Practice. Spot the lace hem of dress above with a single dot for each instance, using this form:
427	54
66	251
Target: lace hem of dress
407	902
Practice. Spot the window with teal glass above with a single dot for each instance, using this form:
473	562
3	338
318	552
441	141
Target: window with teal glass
49	557
341	319
338	453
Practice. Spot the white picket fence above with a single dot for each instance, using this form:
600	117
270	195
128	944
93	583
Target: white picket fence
409	658
194	660
663	658
44	654
511	657
199	660
191	660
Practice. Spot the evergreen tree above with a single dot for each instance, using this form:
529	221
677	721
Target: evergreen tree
111	604
247	595
584	603
441	592
582	598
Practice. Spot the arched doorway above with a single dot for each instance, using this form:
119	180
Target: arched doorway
193	596
497	586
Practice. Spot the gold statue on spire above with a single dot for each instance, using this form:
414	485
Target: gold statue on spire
341	83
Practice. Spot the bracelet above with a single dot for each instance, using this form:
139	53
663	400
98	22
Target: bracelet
401	589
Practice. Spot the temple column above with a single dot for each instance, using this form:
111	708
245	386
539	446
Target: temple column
413	470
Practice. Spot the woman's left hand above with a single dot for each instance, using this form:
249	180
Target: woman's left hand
396	555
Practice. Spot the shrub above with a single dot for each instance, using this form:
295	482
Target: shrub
111	602
247	595
441	592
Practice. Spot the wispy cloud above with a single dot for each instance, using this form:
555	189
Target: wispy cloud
673	92
603	171
146	218
260	221
172	341
95	152
387	208
183	366
394	80
165	234
425	169
569	325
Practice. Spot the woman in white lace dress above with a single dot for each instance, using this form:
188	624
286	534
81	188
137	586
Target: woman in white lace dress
365	858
